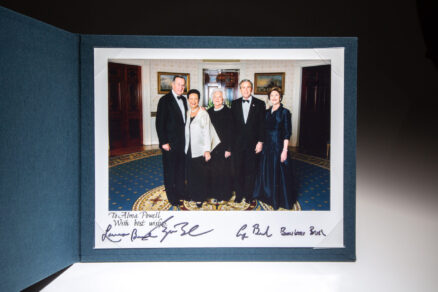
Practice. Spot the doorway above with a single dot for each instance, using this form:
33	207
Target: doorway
225	79
124	106
314	138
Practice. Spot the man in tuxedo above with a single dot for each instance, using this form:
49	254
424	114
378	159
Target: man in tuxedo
170	125
249	118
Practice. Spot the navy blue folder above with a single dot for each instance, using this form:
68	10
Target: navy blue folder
47	151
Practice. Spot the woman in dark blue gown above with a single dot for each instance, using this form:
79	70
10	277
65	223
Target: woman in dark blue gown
274	184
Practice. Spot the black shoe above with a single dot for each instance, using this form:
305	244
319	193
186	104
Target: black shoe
175	203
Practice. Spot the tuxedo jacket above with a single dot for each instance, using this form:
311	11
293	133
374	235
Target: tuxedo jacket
169	123
246	135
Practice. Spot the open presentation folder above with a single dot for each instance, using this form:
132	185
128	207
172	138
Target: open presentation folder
48	170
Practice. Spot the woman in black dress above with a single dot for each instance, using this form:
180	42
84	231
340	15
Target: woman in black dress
220	165
274	182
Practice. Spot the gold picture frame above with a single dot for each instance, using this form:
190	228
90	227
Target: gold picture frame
164	81
265	81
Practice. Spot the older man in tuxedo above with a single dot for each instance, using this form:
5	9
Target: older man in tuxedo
249	116
170	125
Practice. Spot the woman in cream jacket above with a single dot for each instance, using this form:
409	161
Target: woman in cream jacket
201	139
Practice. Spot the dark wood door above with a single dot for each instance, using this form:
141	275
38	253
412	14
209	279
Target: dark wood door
124	106
314	136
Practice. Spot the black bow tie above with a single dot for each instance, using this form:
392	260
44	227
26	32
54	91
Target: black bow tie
180	96
246	100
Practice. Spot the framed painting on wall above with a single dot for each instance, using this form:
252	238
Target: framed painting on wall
265	81
165	79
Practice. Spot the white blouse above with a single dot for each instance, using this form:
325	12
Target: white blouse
201	134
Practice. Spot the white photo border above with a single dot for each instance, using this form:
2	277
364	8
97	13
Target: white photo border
227	223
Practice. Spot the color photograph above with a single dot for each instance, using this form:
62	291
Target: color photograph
299	181
222	154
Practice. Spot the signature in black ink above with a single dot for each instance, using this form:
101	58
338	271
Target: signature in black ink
316	232
134	235
243	234
285	232
256	230
182	228
111	236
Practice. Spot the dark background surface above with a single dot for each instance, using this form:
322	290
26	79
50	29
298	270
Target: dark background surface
397	78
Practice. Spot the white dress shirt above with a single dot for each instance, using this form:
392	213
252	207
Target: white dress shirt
180	104
245	107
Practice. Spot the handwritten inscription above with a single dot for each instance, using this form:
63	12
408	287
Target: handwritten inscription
160	231
316	232
136	215
113	237
257	230
138	219
295	232
149	226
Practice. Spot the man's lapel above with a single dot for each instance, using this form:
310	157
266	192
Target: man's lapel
176	106
251	110
185	108
240	107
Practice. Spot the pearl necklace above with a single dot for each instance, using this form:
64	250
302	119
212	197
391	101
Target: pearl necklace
194	112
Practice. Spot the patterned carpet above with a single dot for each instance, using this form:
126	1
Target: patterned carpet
136	183
156	200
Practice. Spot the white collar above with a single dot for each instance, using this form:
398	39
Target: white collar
175	95
216	110
250	99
